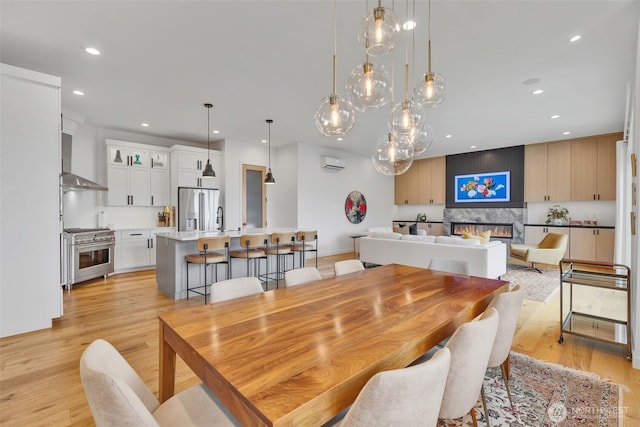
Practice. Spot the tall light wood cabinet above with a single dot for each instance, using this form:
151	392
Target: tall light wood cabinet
422	184
547	171
593	171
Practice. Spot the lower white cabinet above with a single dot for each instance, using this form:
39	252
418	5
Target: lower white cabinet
136	248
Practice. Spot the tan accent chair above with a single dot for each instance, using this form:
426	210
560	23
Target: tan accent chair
470	347
300	276
347	266
550	250
118	397
207	255
508	305
235	288
404	397
449	265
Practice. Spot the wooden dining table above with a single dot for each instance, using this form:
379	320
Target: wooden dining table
298	356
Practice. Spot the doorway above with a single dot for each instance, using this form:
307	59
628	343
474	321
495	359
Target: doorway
254	198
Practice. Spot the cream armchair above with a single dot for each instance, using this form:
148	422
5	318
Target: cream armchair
550	250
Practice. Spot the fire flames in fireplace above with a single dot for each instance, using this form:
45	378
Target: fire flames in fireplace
504	231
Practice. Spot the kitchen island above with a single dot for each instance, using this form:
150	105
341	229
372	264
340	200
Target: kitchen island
171	248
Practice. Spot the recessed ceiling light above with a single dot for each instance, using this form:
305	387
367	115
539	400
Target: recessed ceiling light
264	141
473	146
409	25
91	50
146	125
448	136
566	133
531	81
555	116
575	38
78	92
216	131
537	92
339	139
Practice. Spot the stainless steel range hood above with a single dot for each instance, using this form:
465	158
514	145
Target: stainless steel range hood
71	181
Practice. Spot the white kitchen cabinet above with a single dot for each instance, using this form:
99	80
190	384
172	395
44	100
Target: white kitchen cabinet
30	131
187	164
136	249
138	174
159	183
128	186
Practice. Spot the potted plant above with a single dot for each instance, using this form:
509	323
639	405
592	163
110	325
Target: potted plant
557	215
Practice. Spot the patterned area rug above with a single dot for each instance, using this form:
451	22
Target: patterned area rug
537	287
547	395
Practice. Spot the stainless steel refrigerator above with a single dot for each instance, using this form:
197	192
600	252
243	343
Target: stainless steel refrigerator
197	209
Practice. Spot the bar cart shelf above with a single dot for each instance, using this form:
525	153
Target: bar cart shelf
576	276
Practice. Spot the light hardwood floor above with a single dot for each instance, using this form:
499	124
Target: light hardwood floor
40	383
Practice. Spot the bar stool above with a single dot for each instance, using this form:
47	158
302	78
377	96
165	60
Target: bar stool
207	255
255	248
283	243
308	243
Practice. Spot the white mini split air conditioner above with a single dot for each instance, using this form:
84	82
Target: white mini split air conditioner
333	163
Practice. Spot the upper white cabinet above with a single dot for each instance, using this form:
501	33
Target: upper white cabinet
187	164
138	174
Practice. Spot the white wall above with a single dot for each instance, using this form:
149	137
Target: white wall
635	240
284	194
322	194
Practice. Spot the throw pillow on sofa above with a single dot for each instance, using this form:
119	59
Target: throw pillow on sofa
483	237
401	230
413	229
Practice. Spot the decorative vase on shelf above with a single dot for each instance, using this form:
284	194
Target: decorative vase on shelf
558	221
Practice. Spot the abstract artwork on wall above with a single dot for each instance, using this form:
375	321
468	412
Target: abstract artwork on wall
355	207
483	187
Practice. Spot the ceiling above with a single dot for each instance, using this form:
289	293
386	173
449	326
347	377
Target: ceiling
162	60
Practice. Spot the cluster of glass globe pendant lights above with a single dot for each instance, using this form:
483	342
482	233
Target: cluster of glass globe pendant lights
368	89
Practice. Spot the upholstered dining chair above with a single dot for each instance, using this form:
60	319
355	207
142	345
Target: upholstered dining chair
508	305
550	250
347	266
118	397
404	397
450	265
235	288
470	347
299	276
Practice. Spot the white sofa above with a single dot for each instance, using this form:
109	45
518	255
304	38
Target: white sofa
485	259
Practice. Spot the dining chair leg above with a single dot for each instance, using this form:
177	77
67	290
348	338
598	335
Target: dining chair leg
484	405
473	417
505	377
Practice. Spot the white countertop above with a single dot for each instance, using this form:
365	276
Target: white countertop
186	236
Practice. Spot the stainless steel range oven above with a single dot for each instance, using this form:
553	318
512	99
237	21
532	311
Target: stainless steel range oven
87	253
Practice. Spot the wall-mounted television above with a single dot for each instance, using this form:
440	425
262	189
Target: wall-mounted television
483	187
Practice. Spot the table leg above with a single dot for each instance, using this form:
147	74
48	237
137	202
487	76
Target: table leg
167	368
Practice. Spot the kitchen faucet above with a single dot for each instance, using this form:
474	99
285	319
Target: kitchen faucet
220	218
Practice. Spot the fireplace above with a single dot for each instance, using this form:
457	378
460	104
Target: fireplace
502	231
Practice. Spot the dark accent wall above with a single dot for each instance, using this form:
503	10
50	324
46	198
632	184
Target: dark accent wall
502	159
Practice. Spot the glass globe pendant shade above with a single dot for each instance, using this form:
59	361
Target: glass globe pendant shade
406	117
430	90
392	155
422	140
368	87
379	31
335	116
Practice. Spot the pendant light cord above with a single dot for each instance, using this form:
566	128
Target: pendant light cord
335	45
